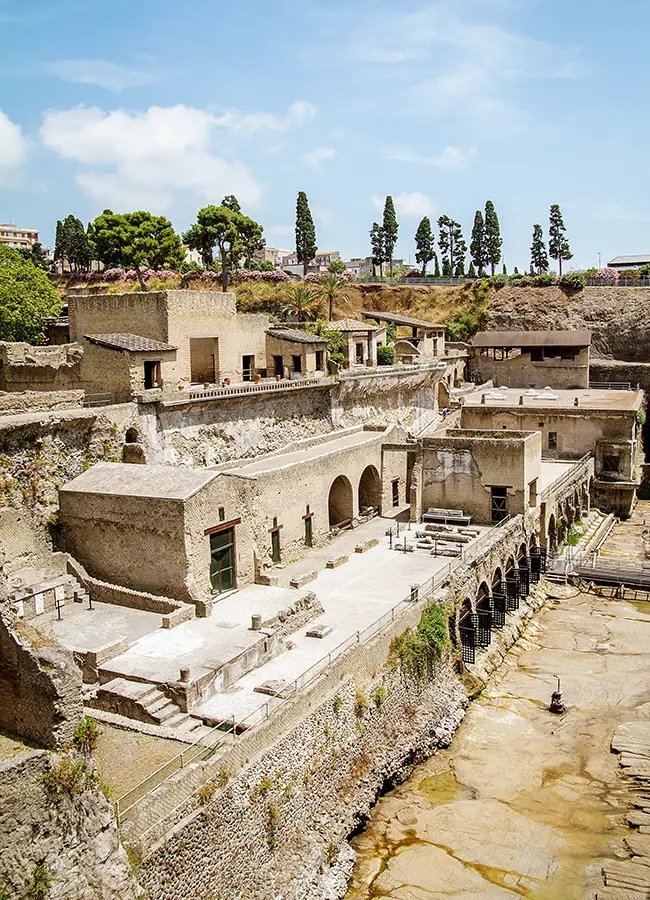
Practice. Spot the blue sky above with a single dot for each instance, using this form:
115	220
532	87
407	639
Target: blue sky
166	106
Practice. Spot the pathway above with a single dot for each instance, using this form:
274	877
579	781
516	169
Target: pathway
523	803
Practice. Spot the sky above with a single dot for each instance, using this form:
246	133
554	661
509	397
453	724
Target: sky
169	106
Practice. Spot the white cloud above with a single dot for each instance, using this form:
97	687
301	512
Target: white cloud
144	158
249	123
408	205
13	146
450	158
99	72
318	155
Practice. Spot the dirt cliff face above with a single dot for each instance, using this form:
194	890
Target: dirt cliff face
619	317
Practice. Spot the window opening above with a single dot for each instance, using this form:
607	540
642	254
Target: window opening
499	503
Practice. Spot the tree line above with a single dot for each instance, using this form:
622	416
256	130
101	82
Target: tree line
224	237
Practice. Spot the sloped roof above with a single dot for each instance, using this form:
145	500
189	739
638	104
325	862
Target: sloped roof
353	325
132	342
532	339
397	319
295	336
638	260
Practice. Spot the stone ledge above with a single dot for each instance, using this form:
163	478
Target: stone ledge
303	578
364	546
336	561
178	616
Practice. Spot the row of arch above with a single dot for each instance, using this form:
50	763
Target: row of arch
341	497
567	511
495	597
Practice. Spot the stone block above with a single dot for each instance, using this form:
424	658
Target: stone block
303	578
269	580
184	614
335	561
320	631
363	546
277	688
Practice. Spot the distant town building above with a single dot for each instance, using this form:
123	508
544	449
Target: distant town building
319	264
625	262
271	254
359	266
18	238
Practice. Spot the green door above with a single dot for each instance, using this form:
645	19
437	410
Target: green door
222	560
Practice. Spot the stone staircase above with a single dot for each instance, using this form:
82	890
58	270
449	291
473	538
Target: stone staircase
146	702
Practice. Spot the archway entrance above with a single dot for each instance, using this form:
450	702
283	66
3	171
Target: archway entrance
484	615
512	584
467	628
370	492
498	600
340	503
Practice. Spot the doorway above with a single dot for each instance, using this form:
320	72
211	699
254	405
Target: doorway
248	367
151	374
204	360
278	366
223	576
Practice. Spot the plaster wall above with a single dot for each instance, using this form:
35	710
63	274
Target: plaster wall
33	368
521	371
577	429
287	350
459	472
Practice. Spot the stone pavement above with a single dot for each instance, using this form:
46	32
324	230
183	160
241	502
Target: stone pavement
524	803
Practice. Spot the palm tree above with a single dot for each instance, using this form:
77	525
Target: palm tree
302	304
330	288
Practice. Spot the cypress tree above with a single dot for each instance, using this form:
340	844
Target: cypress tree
538	255
558	245
424	243
477	247
305	232
436	263
505	269
471	272
77	248
377	247
59	244
390	228
493	240
452	245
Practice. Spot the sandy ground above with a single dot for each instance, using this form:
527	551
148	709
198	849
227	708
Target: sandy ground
125	758
524	803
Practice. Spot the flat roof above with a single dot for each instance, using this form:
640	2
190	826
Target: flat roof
551	470
133	342
532	339
549	398
640	258
283	460
398	319
125	479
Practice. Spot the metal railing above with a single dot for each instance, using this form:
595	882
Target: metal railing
399	369
241	390
207	746
381	279
612	386
622	282
573	473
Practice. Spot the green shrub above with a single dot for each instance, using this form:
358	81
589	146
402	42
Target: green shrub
516	276
378	696
418	652
641	417
499	281
207	792
71	776
360	703
337	704
86	735
573	281
39	883
385	355
544	279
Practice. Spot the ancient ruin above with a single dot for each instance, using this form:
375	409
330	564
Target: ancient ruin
218	547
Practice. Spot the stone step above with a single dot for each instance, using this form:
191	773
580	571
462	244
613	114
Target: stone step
176	720
165	713
156	702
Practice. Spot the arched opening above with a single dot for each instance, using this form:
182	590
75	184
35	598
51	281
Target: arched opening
340	503
551	540
132	435
370	492
523	570
483	615
512	584
532	544
499	605
467	630
523	552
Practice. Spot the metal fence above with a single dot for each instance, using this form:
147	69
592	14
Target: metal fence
379	279
612	386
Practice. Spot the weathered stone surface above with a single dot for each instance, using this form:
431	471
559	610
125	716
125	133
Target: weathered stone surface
336	561
74	836
303	578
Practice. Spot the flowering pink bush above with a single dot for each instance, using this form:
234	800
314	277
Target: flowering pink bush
313	278
606	276
274	275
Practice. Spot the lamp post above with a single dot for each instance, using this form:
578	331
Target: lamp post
599	260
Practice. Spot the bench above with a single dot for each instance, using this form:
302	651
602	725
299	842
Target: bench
446	516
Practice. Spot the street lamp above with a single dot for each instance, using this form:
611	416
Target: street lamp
599	260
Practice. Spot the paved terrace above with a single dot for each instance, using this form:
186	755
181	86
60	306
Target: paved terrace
549	398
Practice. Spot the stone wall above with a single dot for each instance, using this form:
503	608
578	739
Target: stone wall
40	686
73	839
18	402
39	368
213	432
408	399
41	451
521	371
619	317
